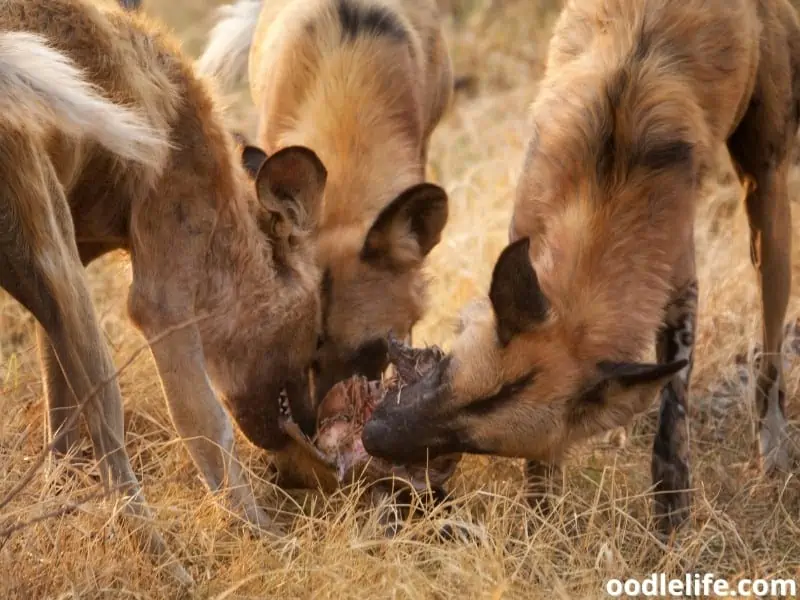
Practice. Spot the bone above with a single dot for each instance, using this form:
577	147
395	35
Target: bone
412	363
347	406
292	429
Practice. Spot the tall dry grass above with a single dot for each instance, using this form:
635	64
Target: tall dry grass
742	526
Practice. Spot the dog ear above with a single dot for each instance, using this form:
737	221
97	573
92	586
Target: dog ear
407	229
518	302
292	181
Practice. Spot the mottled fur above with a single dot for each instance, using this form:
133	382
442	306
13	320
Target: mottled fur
363	83
223	270
637	97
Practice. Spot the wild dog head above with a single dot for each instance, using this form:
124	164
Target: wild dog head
265	351
374	284
512	385
364	84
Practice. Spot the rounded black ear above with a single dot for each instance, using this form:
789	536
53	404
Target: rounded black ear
293	180
252	159
518	302
621	377
620	391
631	374
408	228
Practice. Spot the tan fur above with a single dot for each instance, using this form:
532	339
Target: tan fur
367	103
223	276
607	308
636	98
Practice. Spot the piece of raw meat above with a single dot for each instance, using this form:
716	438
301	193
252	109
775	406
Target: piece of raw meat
345	409
347	406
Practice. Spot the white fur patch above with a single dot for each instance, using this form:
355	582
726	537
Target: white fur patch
39	85
226	55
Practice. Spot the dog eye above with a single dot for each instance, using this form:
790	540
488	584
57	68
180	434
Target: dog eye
506	393
517	386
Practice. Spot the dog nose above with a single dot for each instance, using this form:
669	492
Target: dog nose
376	437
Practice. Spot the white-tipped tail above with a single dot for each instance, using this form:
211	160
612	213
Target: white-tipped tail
39	85
228	48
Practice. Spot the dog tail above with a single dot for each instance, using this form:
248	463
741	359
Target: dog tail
41	86
228	48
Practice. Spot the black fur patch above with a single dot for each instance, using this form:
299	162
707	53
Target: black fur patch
667	154
252	160
507	393
656	155
607	154
644	44
371	358
624	374
325	294
631	374
374	21
591	399
616	87
594	395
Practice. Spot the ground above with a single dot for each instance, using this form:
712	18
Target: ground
742	525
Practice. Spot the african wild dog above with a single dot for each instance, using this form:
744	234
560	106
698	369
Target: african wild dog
363	83
222	263
637	96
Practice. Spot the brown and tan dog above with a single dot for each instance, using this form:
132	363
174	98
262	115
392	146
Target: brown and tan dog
363	83
637	97
110	141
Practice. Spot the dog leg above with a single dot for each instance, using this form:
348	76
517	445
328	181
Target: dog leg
41	268
670	466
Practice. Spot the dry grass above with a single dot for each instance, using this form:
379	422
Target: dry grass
742	526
